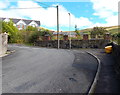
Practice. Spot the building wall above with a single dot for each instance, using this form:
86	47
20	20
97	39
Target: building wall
21	25
3	43
7	20
34	24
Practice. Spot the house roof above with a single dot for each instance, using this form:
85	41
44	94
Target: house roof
2	18
38	22
25	20
15	20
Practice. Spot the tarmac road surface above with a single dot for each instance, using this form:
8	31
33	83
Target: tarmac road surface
42	70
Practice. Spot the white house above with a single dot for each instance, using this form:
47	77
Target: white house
22	23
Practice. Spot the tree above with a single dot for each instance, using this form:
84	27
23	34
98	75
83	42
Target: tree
11	30
31	28
116	37
98	31
45	32
34	36
38	35
77	32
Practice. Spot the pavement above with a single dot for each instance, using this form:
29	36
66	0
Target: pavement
7	53
42	70
108	80
2	55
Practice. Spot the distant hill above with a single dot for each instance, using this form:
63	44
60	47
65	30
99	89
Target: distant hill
111	29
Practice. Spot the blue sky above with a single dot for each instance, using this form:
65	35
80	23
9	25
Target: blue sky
83	14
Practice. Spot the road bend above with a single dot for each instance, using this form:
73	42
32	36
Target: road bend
42	70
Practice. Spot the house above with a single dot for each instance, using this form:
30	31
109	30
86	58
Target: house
22	23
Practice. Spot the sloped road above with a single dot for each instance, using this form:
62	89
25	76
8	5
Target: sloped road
42	70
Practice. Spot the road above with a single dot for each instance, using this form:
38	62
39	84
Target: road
42	70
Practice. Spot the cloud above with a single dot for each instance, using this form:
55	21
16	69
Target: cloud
47	16
113	20
4	4
101	5
106	9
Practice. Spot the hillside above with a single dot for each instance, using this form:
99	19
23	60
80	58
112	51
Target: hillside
111	29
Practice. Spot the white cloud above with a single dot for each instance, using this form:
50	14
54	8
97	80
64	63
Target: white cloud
113	20
103	14
111	5
48	16
82	21
106	9
4	4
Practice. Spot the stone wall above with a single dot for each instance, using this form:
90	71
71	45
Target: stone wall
116	55
93	43
3	43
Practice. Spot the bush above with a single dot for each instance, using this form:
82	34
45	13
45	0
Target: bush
98	31
31	28
118	36
34	36
38	35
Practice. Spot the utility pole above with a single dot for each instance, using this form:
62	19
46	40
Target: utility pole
69	32
58	27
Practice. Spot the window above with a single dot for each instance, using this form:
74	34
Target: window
21	25
18	26
25	26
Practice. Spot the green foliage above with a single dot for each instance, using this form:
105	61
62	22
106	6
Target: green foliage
79	37
31	28
11	30
98	31
23	36
114	30
116	37
28	35
77	32
45	32
34	36
38	35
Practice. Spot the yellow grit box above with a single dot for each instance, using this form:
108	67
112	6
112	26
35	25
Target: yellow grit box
108	49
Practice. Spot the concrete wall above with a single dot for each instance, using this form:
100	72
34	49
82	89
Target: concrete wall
95	43
3	43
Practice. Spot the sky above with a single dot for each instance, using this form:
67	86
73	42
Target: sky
83	13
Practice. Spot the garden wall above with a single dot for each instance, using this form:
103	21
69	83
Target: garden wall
94	43
116	55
